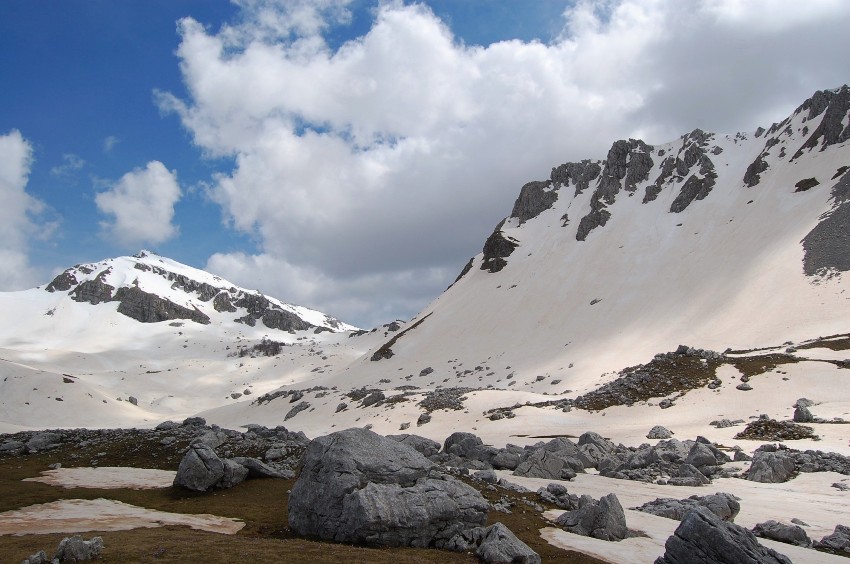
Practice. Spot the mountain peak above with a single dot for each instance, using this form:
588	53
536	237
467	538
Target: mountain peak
151	288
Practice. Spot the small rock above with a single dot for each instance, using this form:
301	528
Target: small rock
659	432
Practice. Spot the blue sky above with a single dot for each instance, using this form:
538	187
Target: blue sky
140	128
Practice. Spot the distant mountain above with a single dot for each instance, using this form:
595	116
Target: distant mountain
151	289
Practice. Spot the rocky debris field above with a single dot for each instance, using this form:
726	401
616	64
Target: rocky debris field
407	491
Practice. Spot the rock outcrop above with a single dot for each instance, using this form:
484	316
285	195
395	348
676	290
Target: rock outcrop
356	486
603	519
723	505
789	534
705	538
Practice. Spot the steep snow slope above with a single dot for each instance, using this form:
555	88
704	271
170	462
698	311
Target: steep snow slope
699	241
714	241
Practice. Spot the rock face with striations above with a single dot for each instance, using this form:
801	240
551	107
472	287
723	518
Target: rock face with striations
357	486
150	308
705	538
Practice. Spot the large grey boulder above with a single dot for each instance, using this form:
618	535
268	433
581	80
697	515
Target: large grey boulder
771	467
604	519
838	542
723	505
550	465
704	538
464	445
789	534
75	549
357	486
43	441
200	469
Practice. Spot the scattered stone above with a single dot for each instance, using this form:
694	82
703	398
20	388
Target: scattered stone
789	534
75	549
341	407
603	519
423	419
716	541
39	557
744	387
724	423
841	487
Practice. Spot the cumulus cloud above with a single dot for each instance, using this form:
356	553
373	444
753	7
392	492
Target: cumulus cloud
17	223
364	166
141	204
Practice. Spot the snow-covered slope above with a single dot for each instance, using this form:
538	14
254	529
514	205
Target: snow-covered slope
714	241
174	338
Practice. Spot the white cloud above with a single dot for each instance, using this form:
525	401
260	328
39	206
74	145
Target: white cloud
399	151
71	163
142	206
17	225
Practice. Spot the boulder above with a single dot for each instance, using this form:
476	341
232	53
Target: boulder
723	505
75	549
789	534
803	415
43	441
259	469
200	469
234	474
838	542
426	446
659	432
194	421
464	445
604	519
212	439
549	465
771	467
705	538
359	487
13	447
499	545
39	557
